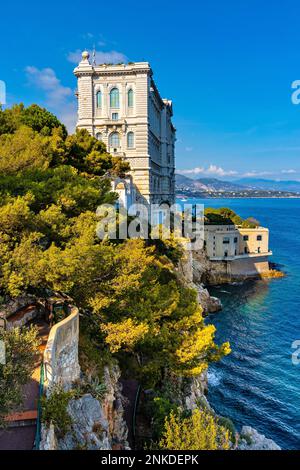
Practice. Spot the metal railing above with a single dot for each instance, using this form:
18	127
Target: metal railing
37	439
136	404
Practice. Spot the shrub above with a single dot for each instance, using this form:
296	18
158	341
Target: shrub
54	409
158	409
228	424
200	431
93	386
21	349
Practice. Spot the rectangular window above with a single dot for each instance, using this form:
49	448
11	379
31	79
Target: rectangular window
226	240
235	239
259	238
115	116
246	238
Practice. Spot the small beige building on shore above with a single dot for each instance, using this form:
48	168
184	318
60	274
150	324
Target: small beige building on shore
241	251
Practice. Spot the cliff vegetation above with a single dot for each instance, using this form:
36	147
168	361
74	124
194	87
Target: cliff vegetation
134	307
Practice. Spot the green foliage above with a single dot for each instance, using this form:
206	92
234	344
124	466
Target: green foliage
21	347
35	117
41	120
54	409
226	216
93	356
129	291
157	410
23	150
228	424
93	386
247	438
170	248
200	431
251	222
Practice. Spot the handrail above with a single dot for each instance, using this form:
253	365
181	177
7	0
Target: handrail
37	439
136	403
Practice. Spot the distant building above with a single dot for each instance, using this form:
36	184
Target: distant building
246	250
120	105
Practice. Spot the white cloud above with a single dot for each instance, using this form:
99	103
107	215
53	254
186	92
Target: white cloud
192	171
110	57
252	173
214	170
211	170
288	172
59	98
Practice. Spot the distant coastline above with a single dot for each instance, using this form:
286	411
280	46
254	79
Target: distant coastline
212	188
228	195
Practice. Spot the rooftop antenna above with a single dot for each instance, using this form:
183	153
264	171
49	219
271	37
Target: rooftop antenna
94	55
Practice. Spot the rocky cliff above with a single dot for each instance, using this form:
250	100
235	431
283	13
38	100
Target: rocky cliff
195	269
96	425
250	439
192	394
191	273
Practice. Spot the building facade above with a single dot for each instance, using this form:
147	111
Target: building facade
120	105
244	250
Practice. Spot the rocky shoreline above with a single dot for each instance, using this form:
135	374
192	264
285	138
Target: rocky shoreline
194	268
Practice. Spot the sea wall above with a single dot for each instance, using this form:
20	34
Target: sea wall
61	353
211	272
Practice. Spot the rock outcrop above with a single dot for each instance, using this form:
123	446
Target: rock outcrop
207	272
209	303
96	425
194	393
250	439
90	428
191	270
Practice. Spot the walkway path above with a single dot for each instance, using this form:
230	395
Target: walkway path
21	432
129	391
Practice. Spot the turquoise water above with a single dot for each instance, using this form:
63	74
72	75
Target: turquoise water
257	384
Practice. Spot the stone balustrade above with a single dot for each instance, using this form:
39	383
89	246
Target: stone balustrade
61	353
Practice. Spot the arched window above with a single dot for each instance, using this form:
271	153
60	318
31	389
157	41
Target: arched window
130	98
114	140
130	140
99	99
114	98
99	136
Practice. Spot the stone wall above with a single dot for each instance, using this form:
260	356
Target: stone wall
221	272
61	353
8	311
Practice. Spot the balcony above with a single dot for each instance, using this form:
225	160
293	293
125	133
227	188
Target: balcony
241	256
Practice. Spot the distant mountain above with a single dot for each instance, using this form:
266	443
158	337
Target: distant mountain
270	185
206	184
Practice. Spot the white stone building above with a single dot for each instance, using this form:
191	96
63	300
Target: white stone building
121	105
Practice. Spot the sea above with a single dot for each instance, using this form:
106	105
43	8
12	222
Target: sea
258	384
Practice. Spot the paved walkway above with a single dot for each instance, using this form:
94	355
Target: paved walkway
22	437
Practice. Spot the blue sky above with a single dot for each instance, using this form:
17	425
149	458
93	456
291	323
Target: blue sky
228	66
